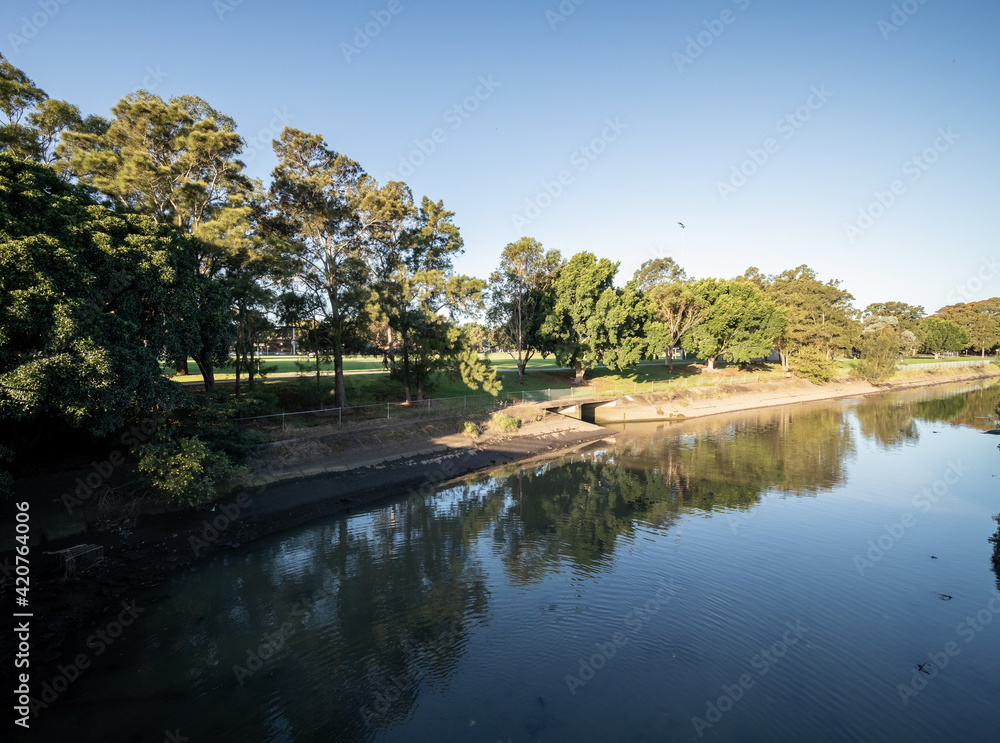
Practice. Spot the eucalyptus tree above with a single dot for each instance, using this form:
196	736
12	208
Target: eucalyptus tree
675	306
317	194
518	297
32	122
820	315
425	300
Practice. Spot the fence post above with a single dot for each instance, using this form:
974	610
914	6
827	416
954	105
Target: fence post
387	411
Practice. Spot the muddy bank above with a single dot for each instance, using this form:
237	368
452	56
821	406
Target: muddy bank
701	401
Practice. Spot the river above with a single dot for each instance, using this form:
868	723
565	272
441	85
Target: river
819	572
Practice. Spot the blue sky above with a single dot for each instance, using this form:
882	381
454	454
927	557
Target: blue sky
860	138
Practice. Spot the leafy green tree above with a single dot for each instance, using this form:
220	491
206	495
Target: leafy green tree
518	299
674	305
820	315
590	321
177	161
739	324
942	336
87	301
880	349
981	320
905	318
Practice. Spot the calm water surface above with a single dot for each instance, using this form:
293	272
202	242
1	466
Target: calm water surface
775	575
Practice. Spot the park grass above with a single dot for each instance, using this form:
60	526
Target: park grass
290	394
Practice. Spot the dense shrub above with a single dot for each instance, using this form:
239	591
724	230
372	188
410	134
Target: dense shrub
505	423
812	364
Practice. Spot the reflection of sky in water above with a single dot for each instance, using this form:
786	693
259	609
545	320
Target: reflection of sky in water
460	616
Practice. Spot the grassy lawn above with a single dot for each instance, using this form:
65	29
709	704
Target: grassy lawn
308	393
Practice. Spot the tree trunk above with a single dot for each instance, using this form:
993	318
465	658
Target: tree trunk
711	363
420	389
340	392
181	368
784	360
389	350
670	359
580	371
520	372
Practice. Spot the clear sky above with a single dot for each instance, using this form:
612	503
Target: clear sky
859	137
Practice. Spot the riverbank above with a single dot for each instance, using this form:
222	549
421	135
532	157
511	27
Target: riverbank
315	474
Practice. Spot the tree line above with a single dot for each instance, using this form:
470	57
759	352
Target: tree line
139	238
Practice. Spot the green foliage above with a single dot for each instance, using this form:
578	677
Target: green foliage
879	354
198	447
183	470
943	335
504	423
88	298
590	321
819	315
472	429
813	364
981	320
739	325
674	306
519	298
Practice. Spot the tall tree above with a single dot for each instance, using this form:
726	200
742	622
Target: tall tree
740	324
943	336
590	321
317	194
820	315
517	298
675	306
424	301
177	161
981	320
